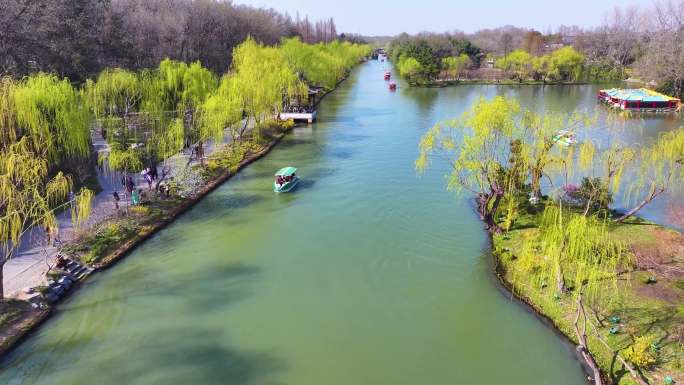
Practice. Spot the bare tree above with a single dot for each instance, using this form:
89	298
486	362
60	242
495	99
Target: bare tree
663	58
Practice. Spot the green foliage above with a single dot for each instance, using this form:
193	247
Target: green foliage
322	64
496	150
30	197
176	86
641	353
47	112
575	251
660	165
115	92
105	238
430	52
565	64
594	194
263	76
155	107
518	63
453	65
129	160
410	68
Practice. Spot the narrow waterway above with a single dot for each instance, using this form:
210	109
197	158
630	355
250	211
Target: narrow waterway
366	274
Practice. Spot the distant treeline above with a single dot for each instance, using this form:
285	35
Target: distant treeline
423	57
80	38
645	43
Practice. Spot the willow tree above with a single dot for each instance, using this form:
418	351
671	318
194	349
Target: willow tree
149	115
29	198
498	150
478	160
47	112
176	89
576	249
518	63
659	170
454	65
115	93
409	67
263	78
313	62
172	98
224	109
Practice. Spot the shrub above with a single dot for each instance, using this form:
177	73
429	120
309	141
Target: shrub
141	210
642	352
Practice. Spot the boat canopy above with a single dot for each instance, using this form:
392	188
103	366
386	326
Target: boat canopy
286	171
639	94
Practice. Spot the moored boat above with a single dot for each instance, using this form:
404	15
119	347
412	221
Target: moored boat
393	86
286	179
388	75
565	138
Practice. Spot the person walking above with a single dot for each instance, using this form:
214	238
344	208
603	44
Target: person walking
115	194
147	174
135	197
130	186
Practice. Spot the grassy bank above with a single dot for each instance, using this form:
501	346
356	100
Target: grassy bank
647	305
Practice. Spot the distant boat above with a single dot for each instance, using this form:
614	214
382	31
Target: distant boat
286	179
565	138
393	86
388	75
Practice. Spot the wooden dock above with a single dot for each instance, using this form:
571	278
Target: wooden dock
308	117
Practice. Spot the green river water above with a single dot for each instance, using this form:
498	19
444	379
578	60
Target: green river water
365	274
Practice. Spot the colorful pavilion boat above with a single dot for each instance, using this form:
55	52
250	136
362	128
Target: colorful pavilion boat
639	99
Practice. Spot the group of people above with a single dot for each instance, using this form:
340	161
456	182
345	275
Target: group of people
150	174
281	180
298	109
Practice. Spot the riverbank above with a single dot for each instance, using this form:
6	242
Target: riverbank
115	234
647	302
507	82
148	218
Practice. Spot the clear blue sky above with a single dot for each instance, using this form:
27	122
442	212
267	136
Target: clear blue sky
384	17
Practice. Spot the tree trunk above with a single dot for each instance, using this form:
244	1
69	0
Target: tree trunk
582	342
2	286
560	280
536	182
488	210
651	196
588	206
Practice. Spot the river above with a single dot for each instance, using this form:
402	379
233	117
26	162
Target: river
366	274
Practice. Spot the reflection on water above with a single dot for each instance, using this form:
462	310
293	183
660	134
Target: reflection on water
366	274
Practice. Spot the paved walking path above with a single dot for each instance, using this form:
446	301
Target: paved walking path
29	266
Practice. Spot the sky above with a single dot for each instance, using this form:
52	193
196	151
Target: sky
384	17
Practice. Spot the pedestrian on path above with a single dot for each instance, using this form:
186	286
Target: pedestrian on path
147	174
154	173
130	186
116	199
135	197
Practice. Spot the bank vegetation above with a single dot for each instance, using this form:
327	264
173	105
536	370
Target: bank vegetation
612	282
